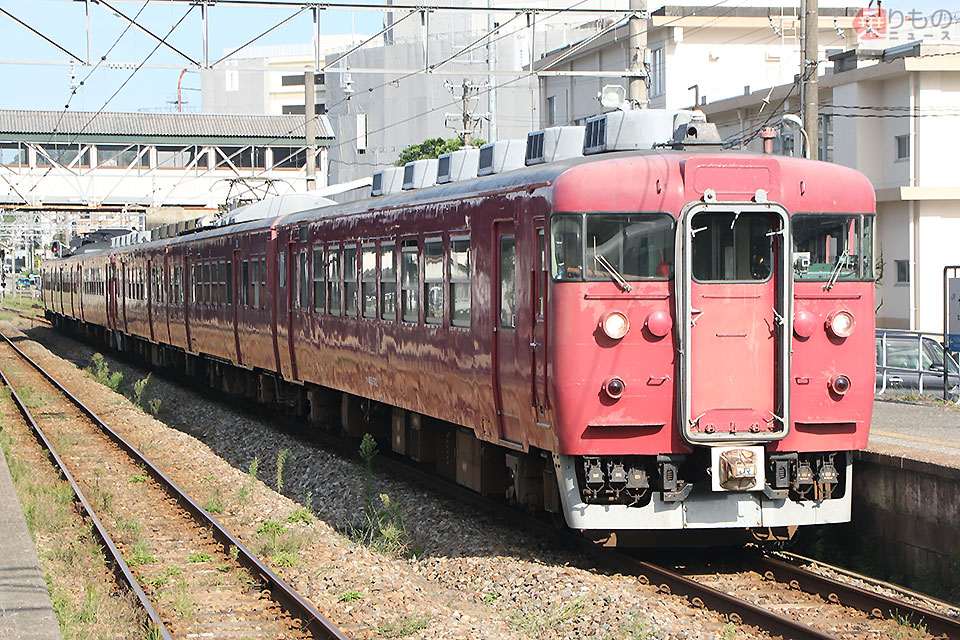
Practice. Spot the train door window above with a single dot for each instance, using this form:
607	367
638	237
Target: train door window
410	280
541	273
368	277
255	284
226	268
318	289
282	269
263	283
433	280
508	278
388	281
196	290
294	299
303	284
350	288
333	280
732	247
460	282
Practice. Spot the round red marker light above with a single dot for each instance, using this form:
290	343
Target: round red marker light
615	325
804	324
841	323
659	323
614	387
840	384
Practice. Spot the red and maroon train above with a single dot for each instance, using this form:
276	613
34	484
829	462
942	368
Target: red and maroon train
652	340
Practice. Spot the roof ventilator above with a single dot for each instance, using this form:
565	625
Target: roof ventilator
419	174
553	144
458	165
500	156
696	134
631	130
387	181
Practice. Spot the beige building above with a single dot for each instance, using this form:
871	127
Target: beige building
895	116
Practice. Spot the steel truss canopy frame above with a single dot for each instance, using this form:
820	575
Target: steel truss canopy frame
376	6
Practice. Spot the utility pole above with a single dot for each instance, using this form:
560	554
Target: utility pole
465	119
808	74
638	49
310	130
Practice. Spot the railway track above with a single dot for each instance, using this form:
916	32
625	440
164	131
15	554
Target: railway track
190	574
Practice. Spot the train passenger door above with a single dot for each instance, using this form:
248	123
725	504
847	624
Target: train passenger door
538	315
507	379
151	295
293	301
234	283
113	299
734	286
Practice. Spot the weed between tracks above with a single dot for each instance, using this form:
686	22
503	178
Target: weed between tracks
100	370
405	627
542	623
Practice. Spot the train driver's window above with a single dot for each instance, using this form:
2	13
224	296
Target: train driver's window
368	268
567	247
732	246
433	280
388	281
832	246
410	280
508	278
333	280
635	246
460	282
318	288
350	288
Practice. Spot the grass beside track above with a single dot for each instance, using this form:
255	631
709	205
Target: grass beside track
87	600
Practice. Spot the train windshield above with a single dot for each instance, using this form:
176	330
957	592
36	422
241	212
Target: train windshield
635	246
831	247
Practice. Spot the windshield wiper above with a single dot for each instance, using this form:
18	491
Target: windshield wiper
614	274
836	271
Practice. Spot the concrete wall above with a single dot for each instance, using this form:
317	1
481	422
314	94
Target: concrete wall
906	516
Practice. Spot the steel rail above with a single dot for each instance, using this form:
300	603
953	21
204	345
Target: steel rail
119	564
279	590
876	604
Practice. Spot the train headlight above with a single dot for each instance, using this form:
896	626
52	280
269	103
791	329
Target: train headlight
840	384
614	387
841	323
615	325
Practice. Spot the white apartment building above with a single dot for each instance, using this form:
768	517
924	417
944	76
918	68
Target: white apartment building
895	116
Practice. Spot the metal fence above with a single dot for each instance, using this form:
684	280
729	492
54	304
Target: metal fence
900	372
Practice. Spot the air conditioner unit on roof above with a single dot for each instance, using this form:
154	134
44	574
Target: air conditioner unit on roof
637	129
458	165
500	156
419	174
555	143
387	181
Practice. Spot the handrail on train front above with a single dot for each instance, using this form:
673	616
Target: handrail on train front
884	369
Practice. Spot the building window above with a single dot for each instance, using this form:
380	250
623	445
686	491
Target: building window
656	72
433	280
112	155
63	155
13	154
243	157
180	157
460	282
388	281
551	111
292	81
289	157
299	109
368	266
903	271
903	147
825	131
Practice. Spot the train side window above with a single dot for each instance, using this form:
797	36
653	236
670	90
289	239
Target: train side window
333	280
433	280
197	286
350	288
282	269
318	289
460	282
304	287
263	283
410	280
368	276
228	280
255	285
508	277
566	232
388	281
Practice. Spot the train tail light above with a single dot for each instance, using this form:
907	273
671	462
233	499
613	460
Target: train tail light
614	387
840	384
615	324
841	323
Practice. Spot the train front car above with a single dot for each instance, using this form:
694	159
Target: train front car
712	341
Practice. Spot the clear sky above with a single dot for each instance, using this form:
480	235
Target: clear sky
29	85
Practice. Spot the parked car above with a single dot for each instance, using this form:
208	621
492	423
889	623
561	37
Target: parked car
911	358
23	282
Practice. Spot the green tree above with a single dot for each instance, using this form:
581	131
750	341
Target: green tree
431	148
